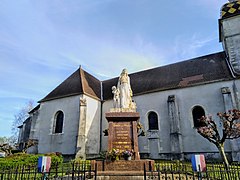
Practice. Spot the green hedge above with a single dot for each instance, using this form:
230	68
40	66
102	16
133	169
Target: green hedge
23	159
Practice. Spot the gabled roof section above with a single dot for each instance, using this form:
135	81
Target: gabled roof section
192	72
34	109
80	82
90	85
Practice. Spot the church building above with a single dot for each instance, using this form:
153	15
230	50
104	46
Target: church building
170	100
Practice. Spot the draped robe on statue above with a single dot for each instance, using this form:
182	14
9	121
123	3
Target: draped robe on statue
125	90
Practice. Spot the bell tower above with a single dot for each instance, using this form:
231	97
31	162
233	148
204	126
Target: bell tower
229	33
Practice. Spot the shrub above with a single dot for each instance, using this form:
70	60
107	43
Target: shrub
23	159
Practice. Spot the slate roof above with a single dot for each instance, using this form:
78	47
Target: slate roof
80	82
196	71
34	109
201	70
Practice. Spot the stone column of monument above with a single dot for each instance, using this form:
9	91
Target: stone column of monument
81	138
123	118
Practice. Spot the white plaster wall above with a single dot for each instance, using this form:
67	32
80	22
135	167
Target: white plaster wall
93	126
156	102
34	132
106	108
66	141
208	96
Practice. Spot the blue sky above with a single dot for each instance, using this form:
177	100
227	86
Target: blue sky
43	42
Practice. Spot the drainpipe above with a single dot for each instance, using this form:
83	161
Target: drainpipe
101	119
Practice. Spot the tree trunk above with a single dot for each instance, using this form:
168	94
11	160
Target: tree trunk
223	155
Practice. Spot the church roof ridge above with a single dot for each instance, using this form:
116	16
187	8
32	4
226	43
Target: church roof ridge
199	70
79	82
90	84
195	71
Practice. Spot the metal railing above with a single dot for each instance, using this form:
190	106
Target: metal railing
69	171
185	172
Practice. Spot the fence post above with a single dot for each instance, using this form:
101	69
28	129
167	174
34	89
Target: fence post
207	175
221	172
150	166
199	173
145	174
22	172
103	165
16	173
84	170
79	169
158	170
56	170
95	171
73	171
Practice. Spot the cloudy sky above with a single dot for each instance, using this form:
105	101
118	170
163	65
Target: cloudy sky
43	42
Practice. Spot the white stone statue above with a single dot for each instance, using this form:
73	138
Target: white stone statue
122	95
116	97
125	89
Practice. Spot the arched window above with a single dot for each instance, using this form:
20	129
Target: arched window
197	113
153	121
58	128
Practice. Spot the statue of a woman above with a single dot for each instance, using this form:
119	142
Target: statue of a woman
125	90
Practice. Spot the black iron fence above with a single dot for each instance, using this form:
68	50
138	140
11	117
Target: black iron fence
85	170
178	171
69	171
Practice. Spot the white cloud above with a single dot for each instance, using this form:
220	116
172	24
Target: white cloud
189	47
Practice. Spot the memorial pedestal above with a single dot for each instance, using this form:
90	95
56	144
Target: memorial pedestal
123	135
122	131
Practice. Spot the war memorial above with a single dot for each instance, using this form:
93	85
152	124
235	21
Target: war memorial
123	157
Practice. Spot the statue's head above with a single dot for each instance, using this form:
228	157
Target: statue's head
124	71
114	88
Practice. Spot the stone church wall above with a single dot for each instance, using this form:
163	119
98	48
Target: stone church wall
64	142
157	143
93	127
175	136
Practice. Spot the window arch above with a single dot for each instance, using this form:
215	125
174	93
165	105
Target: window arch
153	121
58	126
197	113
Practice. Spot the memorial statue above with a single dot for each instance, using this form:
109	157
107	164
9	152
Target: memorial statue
122	94
125	89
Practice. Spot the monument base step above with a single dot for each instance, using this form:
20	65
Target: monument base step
120	175
124	165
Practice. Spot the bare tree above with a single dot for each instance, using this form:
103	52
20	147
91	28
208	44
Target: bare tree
3	140
29	143
20	117
230	130
7	140
7	148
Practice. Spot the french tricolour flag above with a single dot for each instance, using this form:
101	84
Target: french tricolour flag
198	163
44	164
